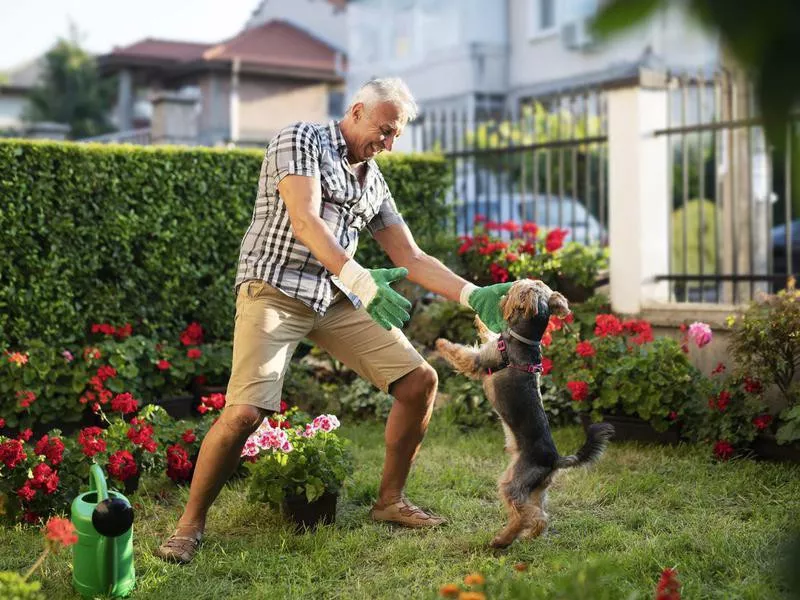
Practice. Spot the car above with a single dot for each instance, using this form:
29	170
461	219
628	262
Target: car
779	254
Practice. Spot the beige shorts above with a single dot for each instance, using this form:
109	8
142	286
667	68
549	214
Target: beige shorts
269	325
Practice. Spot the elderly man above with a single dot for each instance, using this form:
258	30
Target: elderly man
319	187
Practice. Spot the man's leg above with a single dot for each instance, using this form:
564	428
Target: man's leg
390	362
406	426
268	327
219	456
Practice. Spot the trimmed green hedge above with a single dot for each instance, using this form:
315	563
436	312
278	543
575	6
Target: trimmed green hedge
147	235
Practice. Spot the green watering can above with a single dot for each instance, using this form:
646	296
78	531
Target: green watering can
102	560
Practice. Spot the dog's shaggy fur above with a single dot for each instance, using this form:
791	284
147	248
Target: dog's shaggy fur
516	397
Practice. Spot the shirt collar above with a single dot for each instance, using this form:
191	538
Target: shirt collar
338	138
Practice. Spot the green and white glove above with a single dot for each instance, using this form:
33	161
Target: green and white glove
486	302
384	305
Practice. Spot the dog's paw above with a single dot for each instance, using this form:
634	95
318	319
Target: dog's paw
500	542
443	344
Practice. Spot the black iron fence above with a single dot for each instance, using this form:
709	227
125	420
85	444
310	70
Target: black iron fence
733	221
547	163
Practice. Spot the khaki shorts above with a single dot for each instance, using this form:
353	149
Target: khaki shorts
269	325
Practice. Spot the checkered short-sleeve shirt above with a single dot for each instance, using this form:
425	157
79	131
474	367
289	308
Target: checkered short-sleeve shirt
271	252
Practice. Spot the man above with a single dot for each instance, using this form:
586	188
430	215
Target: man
319	187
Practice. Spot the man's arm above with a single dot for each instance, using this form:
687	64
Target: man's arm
423	269
302	197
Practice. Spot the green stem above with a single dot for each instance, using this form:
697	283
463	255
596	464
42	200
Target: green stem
37	564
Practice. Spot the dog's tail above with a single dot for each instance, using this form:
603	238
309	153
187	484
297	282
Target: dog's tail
596	441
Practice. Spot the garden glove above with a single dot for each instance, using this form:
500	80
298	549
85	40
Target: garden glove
486	302
384	305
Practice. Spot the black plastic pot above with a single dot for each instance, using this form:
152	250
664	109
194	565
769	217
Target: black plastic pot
177	407
634	429
308	515
767	448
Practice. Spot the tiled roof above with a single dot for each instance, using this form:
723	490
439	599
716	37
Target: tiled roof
162	49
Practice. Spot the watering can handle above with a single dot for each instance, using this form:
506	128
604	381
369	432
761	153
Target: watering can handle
97	481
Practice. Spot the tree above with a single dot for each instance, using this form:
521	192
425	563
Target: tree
764	37
71	91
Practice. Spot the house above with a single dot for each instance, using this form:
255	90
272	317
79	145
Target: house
487	57
241	91
15	86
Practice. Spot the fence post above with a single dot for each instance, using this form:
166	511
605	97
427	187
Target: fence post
638	196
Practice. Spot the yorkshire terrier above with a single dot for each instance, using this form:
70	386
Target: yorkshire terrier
509	364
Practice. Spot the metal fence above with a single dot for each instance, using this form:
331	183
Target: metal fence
545	163
733	228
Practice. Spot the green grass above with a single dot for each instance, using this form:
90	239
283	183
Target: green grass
642	508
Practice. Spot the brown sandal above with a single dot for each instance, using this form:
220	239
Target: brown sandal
405	513
179	548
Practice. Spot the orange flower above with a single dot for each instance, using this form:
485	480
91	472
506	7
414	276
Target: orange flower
61	532
18	358
474	579
449	591
472	596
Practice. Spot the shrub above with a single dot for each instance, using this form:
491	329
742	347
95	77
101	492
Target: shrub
765	343
148	235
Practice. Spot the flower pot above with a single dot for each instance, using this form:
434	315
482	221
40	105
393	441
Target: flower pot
177	407
765	447
575	292
307	515
634	429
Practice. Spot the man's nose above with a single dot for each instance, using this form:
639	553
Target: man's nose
388	142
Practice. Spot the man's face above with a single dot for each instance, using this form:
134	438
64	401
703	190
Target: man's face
374	131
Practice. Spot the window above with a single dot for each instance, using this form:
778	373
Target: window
543	17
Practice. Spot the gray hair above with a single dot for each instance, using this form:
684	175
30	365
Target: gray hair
389	89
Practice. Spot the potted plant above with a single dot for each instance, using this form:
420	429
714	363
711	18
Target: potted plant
299	470
766	345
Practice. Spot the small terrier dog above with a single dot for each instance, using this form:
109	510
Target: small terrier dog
509	364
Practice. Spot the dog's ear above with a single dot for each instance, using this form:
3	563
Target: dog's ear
558	305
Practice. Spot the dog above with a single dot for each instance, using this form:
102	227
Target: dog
509	365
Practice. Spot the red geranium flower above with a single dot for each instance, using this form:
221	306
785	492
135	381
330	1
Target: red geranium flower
480	219
124	403
723	450
122	465
163	365
194	353
61	532
192	335
530	228
124	331
26	493
720	368
90	441
179	466
12	453
188	436
555	239
141	435
640	329
44	478
669	588
25	434
25	398
547	365
2	422
752	386
607	325
579	390
585	349
284	406
762	421
51	448
499	274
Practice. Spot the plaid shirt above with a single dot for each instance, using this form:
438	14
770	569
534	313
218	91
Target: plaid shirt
271	252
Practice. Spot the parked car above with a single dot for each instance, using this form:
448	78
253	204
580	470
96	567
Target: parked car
779	254
546	211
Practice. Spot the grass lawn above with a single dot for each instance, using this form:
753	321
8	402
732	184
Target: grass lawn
642	508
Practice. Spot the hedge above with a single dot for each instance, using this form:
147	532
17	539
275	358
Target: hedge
147	235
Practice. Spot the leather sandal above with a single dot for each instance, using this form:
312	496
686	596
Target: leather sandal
180	548
406	514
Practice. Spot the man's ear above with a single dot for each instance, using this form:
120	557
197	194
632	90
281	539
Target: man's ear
357	111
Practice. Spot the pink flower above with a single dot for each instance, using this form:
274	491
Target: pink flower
700	333
67	356
325	422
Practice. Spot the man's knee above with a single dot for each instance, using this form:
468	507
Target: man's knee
243	419
418	386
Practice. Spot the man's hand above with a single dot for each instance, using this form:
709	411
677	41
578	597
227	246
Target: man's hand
486	302
384	305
